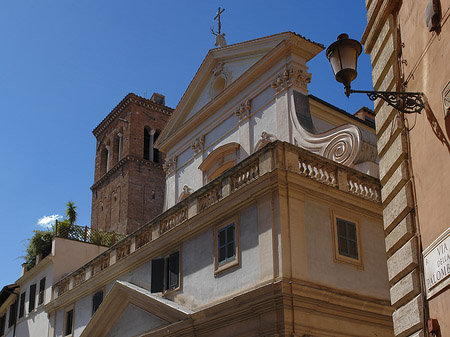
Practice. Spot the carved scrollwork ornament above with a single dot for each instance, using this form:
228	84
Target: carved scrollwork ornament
170	165
244	110
291	76
198	145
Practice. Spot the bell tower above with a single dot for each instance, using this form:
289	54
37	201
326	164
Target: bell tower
129	181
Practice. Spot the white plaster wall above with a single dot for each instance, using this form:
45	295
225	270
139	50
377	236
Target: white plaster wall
322	269
264	120
59	323
135	321
198	264
82	314
140	276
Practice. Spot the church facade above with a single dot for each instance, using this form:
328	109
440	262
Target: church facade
271	221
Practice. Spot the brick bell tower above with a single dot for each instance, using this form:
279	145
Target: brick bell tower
129	181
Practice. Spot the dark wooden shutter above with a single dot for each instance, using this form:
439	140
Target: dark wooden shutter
2	325
12	314
157	282
173	270
97	299
22	305
32	298
41	291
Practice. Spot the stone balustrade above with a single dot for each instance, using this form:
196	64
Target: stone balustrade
276	155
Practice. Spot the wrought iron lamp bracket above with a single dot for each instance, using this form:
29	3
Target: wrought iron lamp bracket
406	102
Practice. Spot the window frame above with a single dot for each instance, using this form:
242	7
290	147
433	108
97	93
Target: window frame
338	256
66	311
220	267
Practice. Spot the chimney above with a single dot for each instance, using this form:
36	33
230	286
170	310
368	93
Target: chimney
158	98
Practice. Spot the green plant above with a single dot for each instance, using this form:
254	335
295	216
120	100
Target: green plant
97	237
39	244
64	229
71	212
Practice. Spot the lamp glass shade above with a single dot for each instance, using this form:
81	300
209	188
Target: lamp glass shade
343	57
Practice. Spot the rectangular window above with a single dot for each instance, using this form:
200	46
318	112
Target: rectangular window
32	298
2	325
346	240
12	314
41	291
166	273
68	323
97	299
226	245
22	305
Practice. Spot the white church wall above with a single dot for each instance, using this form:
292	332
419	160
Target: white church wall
198	264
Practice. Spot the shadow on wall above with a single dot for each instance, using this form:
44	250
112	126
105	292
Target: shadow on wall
437	128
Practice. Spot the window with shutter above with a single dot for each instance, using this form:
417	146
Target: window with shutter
22	305
2	325
32	298
68	323
165	273
346	240
226	238
97	299
12	314
41	291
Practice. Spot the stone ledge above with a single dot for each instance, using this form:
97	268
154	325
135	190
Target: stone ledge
398	208
392	158
403	261
399	235
395	183
405	289
408	319
386	138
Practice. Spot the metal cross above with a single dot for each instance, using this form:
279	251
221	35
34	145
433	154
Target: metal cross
217	17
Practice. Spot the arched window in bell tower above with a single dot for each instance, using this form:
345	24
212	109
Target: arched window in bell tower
147	143
155	151
150	153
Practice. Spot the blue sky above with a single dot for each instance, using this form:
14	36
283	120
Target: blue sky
65	64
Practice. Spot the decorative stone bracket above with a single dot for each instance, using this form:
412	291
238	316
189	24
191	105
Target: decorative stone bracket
244	110
291	76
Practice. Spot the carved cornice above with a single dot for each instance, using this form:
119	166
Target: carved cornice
198	144
244	109
170	165
291	76
121	163
130	98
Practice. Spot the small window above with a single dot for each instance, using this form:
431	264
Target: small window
226	245
97	299
22	305
41	291
2	325
12	314
32	298
346	240
166	273
68	323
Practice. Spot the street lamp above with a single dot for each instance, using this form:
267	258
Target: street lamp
343	57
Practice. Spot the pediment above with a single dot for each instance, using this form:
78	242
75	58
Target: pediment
129	310
219	74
